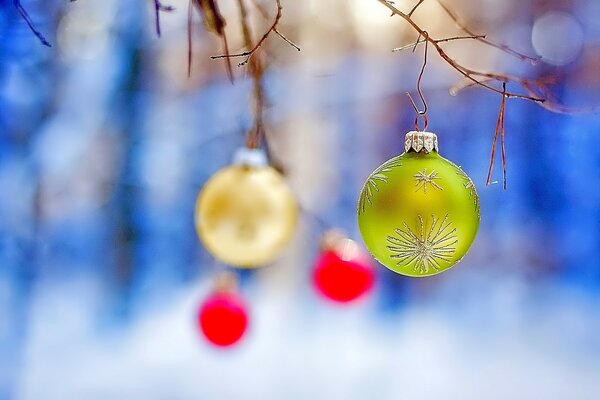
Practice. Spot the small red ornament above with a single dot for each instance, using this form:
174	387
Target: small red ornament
342	272
223	317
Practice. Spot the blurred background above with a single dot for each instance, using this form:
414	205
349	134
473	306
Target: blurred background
105	143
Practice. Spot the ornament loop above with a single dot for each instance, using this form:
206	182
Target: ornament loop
425	122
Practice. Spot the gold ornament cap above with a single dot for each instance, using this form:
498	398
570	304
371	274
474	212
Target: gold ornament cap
248	157
420	141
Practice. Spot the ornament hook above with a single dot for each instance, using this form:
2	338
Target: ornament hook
421	113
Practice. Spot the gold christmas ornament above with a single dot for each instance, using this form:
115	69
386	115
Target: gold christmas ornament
418	213
246	213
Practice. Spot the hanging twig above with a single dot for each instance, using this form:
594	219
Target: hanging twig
189	38
256	70
499	132
213	22
255	64
502	141
158	7
29	22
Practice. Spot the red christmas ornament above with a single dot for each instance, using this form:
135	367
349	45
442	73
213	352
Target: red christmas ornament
342	272
223	318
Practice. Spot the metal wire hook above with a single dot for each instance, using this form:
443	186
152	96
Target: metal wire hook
421	113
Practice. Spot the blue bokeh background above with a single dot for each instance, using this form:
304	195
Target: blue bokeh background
105	142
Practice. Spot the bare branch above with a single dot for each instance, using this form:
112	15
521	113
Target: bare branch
464	71
251	51
29	22
273	28
502	47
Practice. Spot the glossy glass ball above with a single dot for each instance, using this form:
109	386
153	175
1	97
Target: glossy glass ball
245	215
418	213
223	318
343	273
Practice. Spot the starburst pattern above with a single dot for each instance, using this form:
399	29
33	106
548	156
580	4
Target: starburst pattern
469	185
378	176
423	179
426	249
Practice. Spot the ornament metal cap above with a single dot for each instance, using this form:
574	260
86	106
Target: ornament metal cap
335	240
226	281
250	157
418	140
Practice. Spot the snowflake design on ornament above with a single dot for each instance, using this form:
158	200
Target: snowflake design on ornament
378	176
424	250
423	179
469	185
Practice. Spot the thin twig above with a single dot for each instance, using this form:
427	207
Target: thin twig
158	7
248	53
262	10
282	36
448	39
499	46
411	12
29	22
554	106
273	28
535	88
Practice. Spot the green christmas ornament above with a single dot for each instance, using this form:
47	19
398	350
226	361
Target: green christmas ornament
418	213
